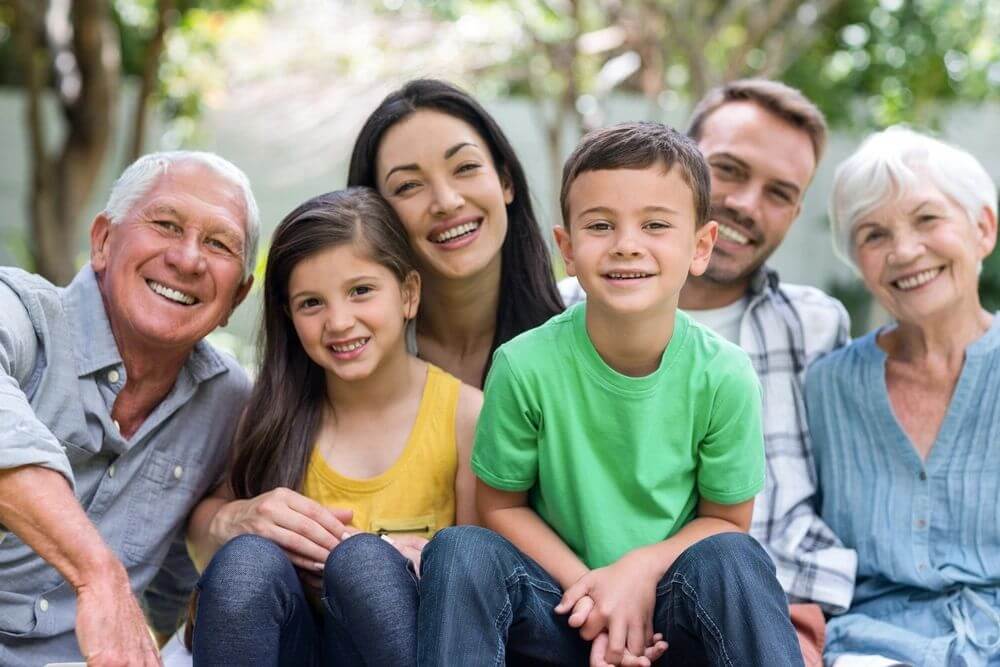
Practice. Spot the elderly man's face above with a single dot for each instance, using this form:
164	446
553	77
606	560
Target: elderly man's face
760	167
171	270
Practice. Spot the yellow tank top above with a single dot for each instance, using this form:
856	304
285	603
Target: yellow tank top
417	494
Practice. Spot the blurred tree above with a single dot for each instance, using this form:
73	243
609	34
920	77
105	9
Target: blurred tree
77	49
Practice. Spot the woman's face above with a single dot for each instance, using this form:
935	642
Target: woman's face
919	254
436	172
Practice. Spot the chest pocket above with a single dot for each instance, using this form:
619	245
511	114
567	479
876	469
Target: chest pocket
166	490
422	526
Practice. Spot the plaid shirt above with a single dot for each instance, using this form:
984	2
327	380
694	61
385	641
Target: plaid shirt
785	328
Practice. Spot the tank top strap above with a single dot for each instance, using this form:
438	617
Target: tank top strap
440	407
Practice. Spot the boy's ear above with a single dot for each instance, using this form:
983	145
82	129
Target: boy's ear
565	243
411	295
704	241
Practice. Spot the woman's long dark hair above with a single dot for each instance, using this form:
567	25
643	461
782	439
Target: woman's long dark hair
276	435
528	293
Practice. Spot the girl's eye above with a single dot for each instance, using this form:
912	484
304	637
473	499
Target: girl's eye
599	226
361	290
308	303
658	225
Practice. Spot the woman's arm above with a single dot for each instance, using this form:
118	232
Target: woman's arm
470	401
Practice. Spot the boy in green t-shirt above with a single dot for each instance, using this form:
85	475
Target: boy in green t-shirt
618	451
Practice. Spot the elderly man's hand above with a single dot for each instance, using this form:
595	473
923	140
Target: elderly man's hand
305	529
110	626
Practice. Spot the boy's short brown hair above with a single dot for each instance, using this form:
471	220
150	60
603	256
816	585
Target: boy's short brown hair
783	101
639	145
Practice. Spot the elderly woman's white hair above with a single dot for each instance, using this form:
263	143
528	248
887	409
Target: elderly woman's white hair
885	168
140	177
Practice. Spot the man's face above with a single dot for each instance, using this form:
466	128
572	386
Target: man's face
760	166
171	270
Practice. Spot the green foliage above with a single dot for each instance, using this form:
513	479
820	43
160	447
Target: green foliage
879	63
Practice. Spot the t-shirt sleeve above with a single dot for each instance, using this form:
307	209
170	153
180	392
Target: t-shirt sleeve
505	453
731	456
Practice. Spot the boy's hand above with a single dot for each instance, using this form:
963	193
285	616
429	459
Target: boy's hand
598	652
623	595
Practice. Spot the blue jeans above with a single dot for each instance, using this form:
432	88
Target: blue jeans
252	609
719	604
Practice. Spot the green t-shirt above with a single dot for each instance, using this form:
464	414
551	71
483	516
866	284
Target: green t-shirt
613	462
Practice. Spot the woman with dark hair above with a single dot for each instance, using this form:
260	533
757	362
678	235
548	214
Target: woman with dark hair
446	168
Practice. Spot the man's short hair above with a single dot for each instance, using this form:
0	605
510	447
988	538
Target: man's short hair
639	145
140	177
783	101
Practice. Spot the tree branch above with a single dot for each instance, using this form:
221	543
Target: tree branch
150	67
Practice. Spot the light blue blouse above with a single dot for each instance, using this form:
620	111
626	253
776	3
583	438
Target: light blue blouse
927	533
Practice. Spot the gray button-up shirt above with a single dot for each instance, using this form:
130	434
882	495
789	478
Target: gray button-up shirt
60	372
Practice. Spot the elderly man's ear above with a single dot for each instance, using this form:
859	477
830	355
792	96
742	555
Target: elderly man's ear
100	229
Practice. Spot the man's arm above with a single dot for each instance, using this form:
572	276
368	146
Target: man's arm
38	505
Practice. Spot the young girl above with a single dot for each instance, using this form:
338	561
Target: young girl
349	445
446	168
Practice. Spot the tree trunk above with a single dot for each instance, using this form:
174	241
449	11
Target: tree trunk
88	91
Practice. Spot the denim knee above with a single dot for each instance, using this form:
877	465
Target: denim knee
358	555
471	553
728	556
245	571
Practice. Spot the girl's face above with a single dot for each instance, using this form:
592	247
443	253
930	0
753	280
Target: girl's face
919	254
349	312
436	172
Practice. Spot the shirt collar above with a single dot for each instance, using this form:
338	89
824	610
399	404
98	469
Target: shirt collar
94	343
765	279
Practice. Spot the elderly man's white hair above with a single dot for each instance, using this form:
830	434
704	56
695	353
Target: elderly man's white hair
140	177
885	168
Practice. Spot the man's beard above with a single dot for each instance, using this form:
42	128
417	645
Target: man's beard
716	273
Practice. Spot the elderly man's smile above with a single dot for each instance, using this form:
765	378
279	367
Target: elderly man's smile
170	294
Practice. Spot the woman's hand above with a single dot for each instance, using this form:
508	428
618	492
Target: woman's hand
305	529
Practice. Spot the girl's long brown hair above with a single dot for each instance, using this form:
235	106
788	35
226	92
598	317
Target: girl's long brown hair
275	437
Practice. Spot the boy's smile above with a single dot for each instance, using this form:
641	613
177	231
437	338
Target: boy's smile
631	239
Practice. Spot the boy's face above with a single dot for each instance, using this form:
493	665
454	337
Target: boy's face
631	240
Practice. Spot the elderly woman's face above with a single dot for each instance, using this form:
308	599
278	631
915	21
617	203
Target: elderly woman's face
919	254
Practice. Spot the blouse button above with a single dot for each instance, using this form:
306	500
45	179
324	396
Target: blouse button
921	523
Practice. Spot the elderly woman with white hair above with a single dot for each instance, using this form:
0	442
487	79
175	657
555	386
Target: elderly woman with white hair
906	420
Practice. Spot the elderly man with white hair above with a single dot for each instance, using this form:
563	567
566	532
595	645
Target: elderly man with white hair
116	414
906	420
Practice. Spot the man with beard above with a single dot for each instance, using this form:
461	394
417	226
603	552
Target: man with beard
763	141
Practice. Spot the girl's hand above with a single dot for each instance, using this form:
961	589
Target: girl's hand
410	546
598	652
623	594
306	530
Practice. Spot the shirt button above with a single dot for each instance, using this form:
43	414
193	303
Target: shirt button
111	470
178	472
43	604
118	427
921	523
113	376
